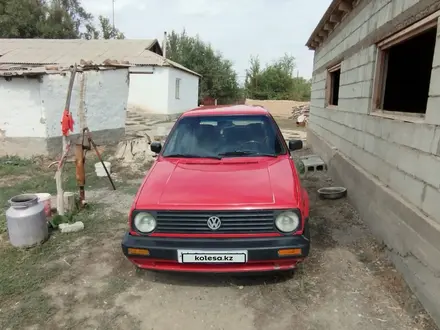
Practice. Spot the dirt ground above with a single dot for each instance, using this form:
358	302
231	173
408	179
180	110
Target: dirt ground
82	280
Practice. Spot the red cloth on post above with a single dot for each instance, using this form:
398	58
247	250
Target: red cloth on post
67	123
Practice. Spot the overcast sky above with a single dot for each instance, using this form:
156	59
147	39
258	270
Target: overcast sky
237	28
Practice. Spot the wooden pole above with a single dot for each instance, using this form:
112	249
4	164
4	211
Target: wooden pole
58	174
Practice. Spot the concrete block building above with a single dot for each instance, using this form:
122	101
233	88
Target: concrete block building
375	119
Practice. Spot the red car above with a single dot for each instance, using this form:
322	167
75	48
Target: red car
223	196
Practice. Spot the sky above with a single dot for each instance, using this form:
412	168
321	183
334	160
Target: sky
239	29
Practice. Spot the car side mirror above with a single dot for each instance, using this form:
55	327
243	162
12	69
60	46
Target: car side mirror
156	147
295	145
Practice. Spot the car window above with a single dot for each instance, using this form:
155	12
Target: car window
224	136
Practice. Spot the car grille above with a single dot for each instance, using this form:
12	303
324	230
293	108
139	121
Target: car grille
258	221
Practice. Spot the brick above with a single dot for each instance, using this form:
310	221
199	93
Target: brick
398	7
320	85
434	87
361	73
318	94
363	30
385	14
431	203
436	60
433	110
435	146
401	5
438	25
372	23
406	186
318	102
357	105
379	4
413	135
360	89
409	3
422	166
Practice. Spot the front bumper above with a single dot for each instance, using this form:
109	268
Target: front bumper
262	253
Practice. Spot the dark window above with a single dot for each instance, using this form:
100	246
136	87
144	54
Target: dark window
224	136
333	82
405	74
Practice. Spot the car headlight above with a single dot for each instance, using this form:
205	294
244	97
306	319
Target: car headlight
287	221
145	222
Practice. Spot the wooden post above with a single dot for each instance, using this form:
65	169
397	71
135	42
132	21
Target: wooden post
58	174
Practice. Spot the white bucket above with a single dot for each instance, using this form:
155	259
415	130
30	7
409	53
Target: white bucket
45	198
99	169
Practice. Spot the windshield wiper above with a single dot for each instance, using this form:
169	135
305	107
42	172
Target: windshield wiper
246	153
191	156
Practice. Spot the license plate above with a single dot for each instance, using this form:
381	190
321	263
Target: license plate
222	257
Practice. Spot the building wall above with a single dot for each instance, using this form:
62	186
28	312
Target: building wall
153	90
188	91
21	111
395	159
21	116
100	95
31	110
148	89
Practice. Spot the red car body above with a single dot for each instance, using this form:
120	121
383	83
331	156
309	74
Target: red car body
182	193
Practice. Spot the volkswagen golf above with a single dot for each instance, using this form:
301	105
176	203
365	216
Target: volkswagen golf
222	196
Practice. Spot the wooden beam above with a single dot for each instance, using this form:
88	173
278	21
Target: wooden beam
411	31
328	26
335	18
345	7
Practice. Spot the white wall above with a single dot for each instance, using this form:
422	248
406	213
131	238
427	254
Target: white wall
153	90
148	89
103	95
188	94
21	111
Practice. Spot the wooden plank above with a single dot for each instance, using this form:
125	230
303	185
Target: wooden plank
411	31
334	68
379	83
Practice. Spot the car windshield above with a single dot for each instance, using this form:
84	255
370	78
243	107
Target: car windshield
224	136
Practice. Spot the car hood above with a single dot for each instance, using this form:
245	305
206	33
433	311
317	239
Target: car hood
217	184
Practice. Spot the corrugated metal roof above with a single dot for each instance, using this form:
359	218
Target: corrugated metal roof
66	52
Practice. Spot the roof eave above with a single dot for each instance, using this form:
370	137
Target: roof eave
333	16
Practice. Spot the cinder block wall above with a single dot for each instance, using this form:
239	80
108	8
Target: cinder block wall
400	158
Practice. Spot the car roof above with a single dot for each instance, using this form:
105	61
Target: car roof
219	110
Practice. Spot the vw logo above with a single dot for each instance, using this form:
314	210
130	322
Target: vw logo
214	223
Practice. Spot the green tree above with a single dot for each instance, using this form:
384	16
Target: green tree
107	31
51	19
276	81
21	18
219	80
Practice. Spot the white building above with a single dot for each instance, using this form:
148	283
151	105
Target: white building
164	90
375	119
33	100
115	75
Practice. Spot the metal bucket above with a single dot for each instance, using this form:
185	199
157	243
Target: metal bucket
26	221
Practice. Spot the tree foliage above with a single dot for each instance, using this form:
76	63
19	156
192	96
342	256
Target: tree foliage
52	19
276	81
219	80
